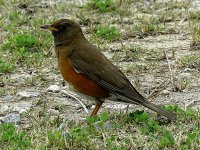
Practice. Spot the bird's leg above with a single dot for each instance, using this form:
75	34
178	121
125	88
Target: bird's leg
97	106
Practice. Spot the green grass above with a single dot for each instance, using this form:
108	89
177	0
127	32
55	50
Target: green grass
14	16
106	131
194	15
6	67
24	49
28	42
101	5
109	33
198	34
137	68
13	139
150	28
190	61
192	139
195	44
138	53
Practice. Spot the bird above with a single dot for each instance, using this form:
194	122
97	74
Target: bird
90	72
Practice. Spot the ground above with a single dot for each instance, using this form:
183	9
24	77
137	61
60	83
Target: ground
155	43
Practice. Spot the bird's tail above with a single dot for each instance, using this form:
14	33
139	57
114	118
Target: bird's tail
171	116
136	98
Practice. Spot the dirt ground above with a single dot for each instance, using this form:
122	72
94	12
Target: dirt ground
156	71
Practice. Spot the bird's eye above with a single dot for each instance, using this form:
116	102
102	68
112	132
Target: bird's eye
62	27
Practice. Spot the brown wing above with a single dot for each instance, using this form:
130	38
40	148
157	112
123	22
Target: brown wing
93	64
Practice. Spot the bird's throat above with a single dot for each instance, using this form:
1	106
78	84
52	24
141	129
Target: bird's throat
65	42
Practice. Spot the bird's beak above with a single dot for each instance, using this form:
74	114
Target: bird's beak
49	27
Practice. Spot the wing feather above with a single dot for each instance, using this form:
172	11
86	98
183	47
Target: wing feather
98	68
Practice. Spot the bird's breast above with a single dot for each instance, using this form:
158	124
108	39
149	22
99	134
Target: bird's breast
80	82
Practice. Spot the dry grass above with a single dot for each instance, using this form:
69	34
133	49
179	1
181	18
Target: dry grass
152	41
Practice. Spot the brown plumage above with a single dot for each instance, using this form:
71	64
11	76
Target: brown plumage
90	72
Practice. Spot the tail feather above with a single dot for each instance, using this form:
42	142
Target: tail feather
136	98
142	101
171	116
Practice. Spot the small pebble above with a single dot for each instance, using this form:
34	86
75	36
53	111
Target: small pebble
53	112
184	75
7	98
187	70
165	92
22	111
11	118
4	108
54	88
17	108
116	106
26	94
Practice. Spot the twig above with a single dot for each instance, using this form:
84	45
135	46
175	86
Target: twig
74	97
104	139
170	69
127	109
157	89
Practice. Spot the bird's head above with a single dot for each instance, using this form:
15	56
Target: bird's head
63	30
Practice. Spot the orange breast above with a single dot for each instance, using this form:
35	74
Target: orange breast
80	82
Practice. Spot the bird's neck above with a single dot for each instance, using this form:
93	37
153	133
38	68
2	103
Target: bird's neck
70	39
